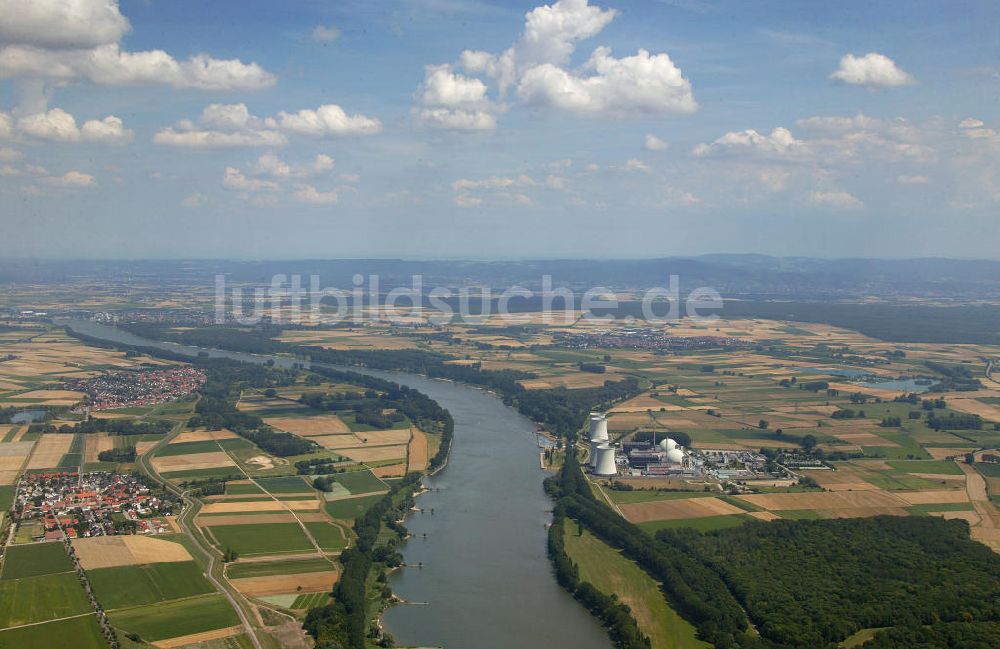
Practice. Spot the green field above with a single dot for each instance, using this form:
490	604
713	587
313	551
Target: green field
6	496
78	632
350	508
244	570
611	573
936	467
988	470
360	482
34	560
242	489
329	536
644	496
125	586
265	538
918	510
285	484
37	599
227	472
703	524
178	618
185	448
311	600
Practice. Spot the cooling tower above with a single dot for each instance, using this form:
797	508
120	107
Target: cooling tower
593	454
598	428
605	461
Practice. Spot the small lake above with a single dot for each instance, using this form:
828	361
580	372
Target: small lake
869	380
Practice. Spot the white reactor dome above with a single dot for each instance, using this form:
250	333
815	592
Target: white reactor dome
667	444
675	455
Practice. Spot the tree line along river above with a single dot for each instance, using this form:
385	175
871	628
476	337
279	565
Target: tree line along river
478	572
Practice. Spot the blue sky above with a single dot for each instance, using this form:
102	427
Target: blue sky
458	128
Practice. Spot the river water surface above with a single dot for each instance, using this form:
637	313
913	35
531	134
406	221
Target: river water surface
486	581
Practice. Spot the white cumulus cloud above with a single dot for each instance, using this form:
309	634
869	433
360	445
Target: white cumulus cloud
873	70
779	142
61	23
232	125
642	84
653	143
836	199
309	194
235	179
68	40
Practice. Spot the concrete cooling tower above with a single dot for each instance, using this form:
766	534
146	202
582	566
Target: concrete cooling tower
598	428
606	461
593	454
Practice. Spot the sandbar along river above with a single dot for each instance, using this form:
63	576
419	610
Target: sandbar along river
486	581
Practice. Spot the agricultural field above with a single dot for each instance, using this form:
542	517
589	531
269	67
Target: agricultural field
42	600
611	573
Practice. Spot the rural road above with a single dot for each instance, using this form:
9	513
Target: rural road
987	530
183	521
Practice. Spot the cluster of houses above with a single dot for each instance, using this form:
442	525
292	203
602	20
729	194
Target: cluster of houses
138	387
99	503
644	338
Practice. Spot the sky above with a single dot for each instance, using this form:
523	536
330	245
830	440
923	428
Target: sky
477	129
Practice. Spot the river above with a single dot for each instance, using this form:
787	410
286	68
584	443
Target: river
486	580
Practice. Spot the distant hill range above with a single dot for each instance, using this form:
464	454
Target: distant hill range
743	276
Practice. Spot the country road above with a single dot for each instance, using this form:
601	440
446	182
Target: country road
987	530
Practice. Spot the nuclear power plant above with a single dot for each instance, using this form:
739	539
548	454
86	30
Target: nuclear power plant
606	461
652	456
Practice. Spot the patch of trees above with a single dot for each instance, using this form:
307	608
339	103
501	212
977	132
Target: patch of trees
814	386
117	427
678	436
948	635
955	421
812	583
122	455
956	377
594	368
891	422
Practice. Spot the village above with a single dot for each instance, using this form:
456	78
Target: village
100	503
142	387
644	338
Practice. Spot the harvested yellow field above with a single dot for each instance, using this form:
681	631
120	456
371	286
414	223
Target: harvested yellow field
110	551
677	509
337	441
385	437
95	443
641	403
389	471
375	454
764	516
211	460
198	638
202	436
863	512
257	519
932	497
309	426
259	506
49	450
417	458
143	447
306	582
827	500
862	438
988	411
945	453
53	397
